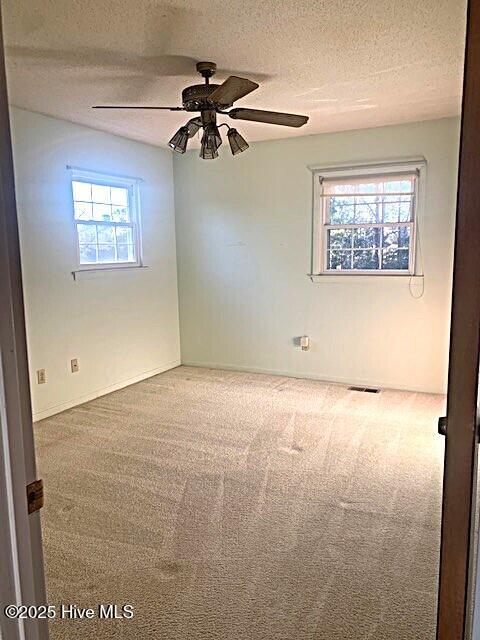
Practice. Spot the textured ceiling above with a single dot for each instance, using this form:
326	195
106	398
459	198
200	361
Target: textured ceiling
345	63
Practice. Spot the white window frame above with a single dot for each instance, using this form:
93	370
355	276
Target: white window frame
132	184
320	227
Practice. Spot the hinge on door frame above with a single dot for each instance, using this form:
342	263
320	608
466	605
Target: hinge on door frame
35	496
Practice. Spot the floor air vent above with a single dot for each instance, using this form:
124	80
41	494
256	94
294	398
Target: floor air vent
364	389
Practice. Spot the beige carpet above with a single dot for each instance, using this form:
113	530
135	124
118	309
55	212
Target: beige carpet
237	506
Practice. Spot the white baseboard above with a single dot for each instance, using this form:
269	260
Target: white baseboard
50	411
357	382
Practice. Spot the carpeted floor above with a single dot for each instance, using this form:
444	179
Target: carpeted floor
235	506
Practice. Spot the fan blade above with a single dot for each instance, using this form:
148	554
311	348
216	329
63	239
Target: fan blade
270	117
232	89
119	106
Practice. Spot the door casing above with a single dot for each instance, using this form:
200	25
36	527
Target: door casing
455	582
20	535
24	570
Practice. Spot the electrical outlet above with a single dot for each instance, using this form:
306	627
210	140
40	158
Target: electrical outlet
41	376
305	343
74	365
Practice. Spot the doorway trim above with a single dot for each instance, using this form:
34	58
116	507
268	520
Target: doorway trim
22	574
455	583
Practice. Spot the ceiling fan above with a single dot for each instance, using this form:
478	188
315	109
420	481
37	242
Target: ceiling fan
210	100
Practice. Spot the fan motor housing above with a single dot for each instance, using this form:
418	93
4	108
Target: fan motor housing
196	97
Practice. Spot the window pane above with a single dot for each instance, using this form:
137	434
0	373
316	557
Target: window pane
354	186
406	213
82	190
366	211
396	237
391	211
390	237
339	260
88	253
106	234
106	253
119	196
396	210
126	252
82	210
100	193
86	233
102	211
341	210
366	238
124	235
367	187
341	188
396	186
395	259
120	214
339	238
366	260
404	237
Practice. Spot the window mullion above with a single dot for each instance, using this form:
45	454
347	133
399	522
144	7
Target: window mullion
364	225
380	262
96	243
115	244
81	221
112	223
105	223
352	245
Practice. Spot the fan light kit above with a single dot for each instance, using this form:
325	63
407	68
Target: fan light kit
210	100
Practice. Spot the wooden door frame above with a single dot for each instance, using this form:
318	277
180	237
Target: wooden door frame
21	573
461	439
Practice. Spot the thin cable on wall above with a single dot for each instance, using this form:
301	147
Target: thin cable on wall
420	275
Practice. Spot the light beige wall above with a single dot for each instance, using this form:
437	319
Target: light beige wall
243	243
121	325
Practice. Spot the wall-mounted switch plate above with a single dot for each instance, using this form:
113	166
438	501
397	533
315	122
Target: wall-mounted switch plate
74	365
41	376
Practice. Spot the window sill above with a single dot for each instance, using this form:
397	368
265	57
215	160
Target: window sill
350	278
95	272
